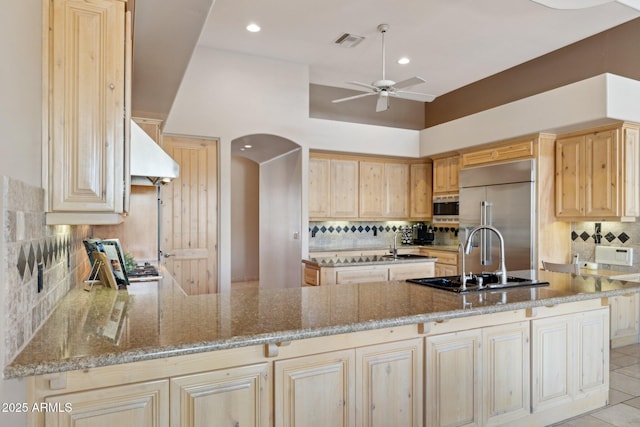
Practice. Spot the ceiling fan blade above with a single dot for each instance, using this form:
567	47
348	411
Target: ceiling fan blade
349	98
383	101
367	85
414	96
409	82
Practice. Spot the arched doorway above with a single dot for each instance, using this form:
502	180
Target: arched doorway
267	173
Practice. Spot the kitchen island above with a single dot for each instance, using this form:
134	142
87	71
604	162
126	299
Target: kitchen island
390	350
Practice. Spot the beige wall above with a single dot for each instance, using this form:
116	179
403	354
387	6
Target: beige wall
613	51
245	184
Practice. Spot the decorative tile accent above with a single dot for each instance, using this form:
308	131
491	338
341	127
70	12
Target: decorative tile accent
623	237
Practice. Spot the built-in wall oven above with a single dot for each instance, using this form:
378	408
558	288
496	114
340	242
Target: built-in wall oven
446	208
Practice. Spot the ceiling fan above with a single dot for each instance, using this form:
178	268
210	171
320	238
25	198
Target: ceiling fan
386	89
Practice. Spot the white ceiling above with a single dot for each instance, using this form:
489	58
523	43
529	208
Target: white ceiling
451	43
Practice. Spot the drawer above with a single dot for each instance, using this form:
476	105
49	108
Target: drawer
362	276
412	271
311	276
445	257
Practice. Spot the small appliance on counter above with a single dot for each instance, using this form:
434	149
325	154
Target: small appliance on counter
144	273
423	234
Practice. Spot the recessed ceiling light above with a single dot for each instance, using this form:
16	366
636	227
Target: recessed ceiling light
253	28
404	60
247	146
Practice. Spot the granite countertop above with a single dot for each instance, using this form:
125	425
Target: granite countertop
152	320
352	261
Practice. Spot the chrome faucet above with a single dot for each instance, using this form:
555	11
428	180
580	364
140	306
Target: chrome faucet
467	250
394	250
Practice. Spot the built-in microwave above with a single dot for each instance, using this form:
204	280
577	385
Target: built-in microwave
446	208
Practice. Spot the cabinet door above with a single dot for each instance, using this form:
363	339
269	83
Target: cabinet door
506	379
592	351
552	362
86	88
570	164
135	405
227	397
631	164
319	188
316	391
411	271
421	193
453	391
601	171
372	189
441	175
396	190
344	188
625	319
453	174
389	384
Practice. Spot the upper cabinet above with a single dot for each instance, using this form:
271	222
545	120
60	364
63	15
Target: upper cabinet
598	174
384	189
333	187
445	175
350	187
86	83
421	197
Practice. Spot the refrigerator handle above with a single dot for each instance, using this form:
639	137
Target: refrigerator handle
483	233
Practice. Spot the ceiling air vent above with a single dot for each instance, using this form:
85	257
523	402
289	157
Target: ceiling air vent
348	40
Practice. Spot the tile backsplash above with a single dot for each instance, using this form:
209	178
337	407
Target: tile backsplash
29	245
585	236
339	235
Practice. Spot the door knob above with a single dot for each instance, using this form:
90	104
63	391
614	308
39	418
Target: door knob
167	255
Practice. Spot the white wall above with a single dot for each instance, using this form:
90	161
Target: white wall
20	121
228	95
281	221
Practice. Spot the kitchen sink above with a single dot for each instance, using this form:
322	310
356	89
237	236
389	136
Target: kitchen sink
406	256
489	282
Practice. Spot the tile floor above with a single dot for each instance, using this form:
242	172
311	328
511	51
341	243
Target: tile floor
623	409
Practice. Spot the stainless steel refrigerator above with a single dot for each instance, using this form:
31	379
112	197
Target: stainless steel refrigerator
501	195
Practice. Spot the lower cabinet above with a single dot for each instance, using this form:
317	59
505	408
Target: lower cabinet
373	386
134	405
226	397
625	319
314	275
570	362
478	377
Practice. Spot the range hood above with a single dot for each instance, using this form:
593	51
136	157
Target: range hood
150	165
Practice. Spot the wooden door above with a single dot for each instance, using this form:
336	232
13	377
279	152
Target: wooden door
453	363
316	391
396	190
421	192
344	188
389	384
570	164
226	397
601	172
134	405
372	189
190	215
506	373
319	188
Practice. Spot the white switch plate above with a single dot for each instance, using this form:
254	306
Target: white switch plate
615	255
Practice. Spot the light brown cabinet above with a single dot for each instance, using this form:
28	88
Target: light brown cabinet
384	190
86	86
333	188
597	174
501	152
478	377
132	405
315	389
315	276
625	319
226	397
447	263
445	175
421	197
